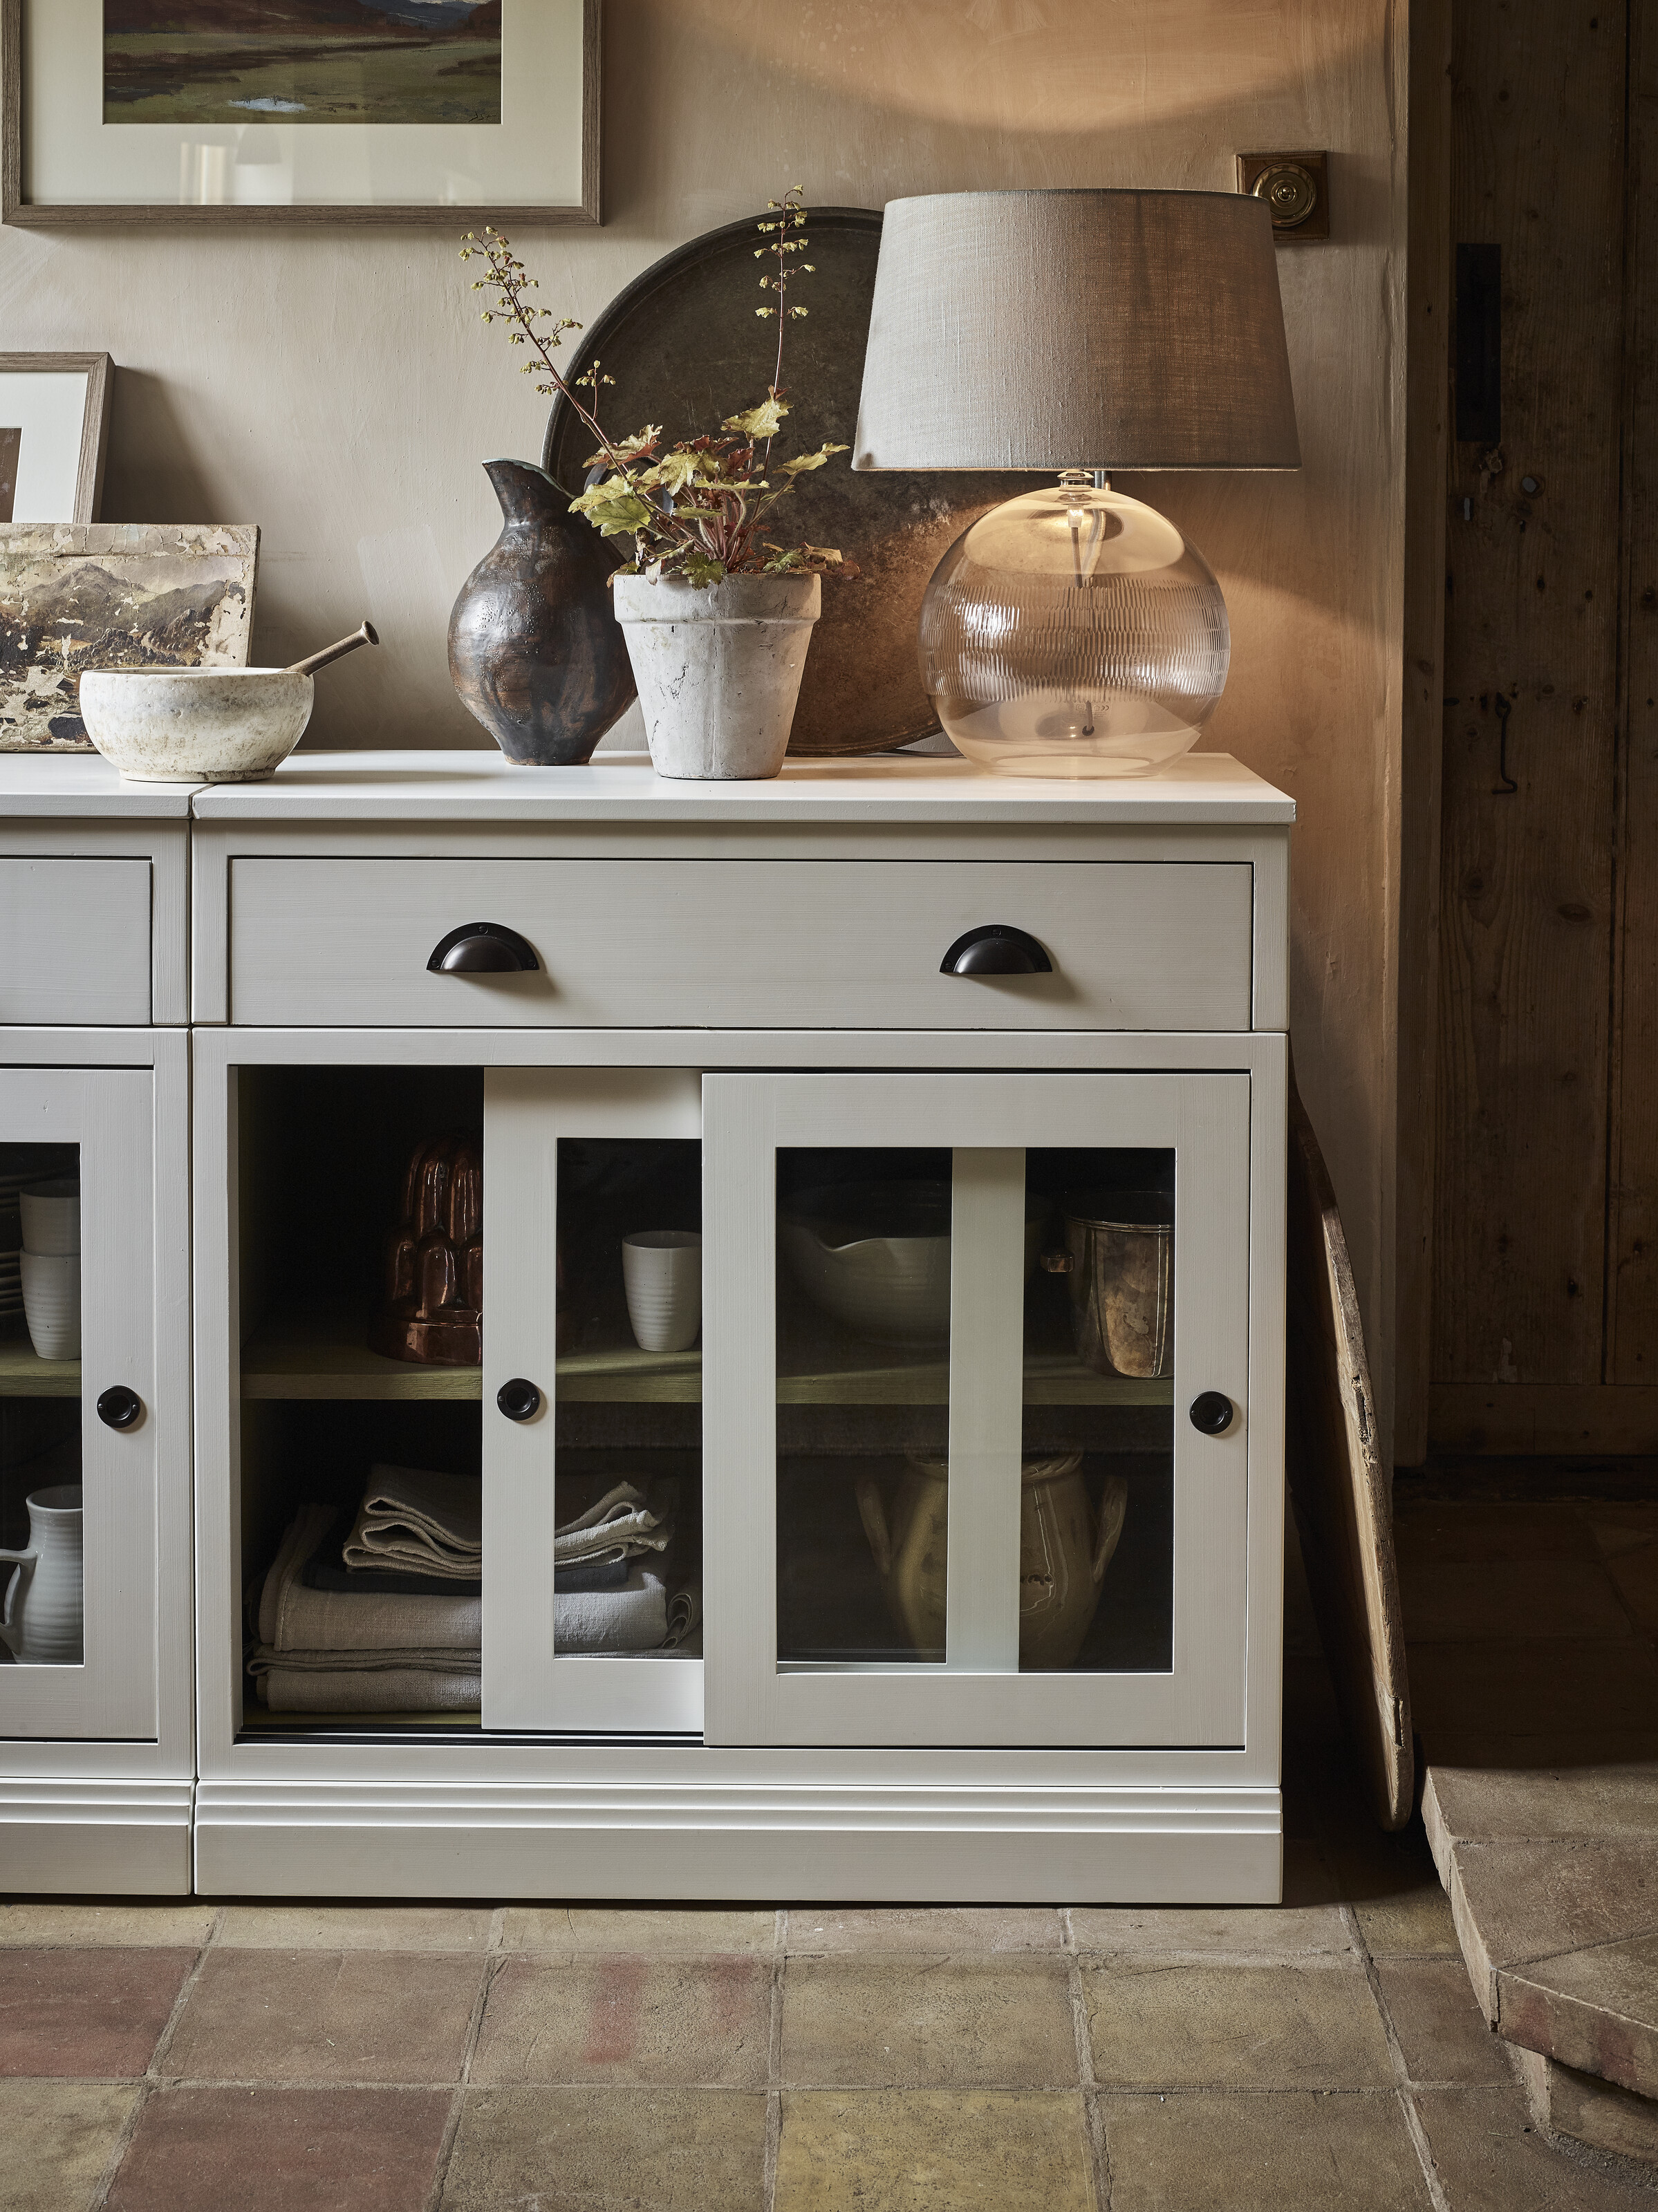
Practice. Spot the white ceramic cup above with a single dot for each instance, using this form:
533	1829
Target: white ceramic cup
51	1217
663	1271
51	1303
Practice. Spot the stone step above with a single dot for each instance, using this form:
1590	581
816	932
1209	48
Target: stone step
1592	2112
1552	1876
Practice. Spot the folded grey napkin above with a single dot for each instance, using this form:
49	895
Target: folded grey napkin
641	1616
620	1525
373	1689
631	1618
294	1619
431	1524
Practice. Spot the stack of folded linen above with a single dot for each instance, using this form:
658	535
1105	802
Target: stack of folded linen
325	1649
390	1619
605	1599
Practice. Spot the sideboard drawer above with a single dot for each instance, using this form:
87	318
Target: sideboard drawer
75	941
741	944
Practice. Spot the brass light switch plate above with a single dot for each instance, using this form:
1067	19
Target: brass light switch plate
1295	187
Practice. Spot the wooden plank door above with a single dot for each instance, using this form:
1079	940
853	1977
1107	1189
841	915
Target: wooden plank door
812	1403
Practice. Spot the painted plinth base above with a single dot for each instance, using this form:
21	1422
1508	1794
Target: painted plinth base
60	1838
1052	1847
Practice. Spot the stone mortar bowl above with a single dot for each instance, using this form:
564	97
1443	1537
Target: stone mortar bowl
196	724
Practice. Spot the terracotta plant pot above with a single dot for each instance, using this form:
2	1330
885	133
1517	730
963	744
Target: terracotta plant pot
719	669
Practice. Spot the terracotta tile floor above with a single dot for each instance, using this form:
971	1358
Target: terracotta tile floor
1324	2056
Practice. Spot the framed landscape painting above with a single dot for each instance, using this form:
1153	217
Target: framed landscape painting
296	110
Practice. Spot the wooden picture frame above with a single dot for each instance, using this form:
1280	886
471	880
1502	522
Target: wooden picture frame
94	426
17	208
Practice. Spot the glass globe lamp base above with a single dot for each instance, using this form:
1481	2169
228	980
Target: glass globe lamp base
1074	632
1116	733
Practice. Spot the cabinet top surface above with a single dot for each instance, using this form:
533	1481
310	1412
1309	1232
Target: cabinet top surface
71	786
479	786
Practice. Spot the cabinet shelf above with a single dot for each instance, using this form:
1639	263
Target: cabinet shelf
324	1356
24	1374
320	1358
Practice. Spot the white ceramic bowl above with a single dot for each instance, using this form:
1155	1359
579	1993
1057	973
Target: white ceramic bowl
51	1303
876	1256
52	1215
195	725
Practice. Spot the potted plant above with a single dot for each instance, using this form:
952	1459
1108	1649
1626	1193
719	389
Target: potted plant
717	617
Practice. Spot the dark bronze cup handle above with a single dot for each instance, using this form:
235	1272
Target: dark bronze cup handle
997	949
483	948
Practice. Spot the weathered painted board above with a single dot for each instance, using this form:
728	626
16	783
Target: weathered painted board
112	595
1340	1485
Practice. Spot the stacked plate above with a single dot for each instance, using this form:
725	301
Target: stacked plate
11	1284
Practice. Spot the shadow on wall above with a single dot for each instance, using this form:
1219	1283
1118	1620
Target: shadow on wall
152	475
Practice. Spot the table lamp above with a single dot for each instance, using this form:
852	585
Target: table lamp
1073	631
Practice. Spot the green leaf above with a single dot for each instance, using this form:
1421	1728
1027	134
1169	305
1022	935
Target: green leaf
802	462
628	449
614	508
673	472
756	422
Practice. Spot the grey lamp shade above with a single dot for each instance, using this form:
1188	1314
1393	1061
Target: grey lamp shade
1104	330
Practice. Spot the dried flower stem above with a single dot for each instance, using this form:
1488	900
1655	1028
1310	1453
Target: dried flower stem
695	511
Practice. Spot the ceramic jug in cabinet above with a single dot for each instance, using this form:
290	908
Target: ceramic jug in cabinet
44	1621
1063	1554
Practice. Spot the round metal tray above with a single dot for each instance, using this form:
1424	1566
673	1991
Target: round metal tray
686	349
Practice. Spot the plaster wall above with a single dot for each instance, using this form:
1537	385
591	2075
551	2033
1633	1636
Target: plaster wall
337	389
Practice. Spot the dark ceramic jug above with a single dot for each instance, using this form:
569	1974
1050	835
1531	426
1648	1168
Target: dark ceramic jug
534	651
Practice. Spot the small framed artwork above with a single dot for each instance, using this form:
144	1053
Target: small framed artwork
54	435
390	112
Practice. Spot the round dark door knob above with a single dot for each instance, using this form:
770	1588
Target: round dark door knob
1212	1413
518	1400
119	1407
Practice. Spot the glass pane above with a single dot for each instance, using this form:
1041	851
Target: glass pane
627	1566
863	1331
361	1252
41	1605
1096	1564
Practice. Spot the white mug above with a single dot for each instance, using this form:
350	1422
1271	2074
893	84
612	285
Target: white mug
51	1303
663	1271
51	1217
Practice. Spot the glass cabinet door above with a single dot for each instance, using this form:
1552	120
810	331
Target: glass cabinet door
78	1364
469	1470
977	1408
593	1388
